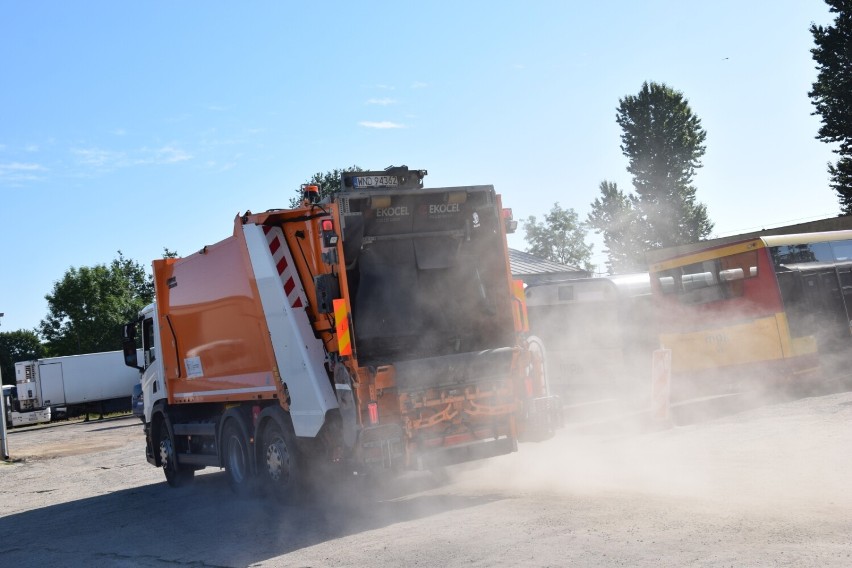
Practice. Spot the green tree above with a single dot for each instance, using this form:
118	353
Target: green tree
832	95
615	215
21	345
328	182
88	306
664	142
560	238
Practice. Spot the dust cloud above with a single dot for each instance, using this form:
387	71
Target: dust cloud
738	436
782	455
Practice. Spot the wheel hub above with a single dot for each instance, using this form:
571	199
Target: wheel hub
277	461
166	453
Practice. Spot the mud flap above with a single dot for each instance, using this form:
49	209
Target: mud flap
382	446
542	417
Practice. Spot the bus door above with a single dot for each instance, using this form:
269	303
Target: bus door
821	289
844	277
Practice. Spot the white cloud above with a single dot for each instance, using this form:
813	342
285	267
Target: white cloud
107	160
20	167
99	158
15	173
384	124
169	155
419	85
31	148
220	167
383	102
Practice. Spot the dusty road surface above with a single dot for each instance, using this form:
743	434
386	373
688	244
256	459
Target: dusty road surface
762	487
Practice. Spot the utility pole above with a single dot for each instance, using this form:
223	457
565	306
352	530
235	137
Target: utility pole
4	447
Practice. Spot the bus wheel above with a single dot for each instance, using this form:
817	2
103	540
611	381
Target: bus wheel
237	460
176	476
280	461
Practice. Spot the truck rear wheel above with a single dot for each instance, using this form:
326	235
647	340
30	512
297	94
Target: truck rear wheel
280	461
176	476
237	458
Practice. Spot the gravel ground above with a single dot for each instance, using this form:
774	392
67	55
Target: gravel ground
760	487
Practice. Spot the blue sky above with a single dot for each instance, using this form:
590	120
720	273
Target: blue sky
138	126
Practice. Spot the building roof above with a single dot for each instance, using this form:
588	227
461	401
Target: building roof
531	268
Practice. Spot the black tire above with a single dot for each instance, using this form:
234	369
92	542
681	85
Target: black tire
280	462
236	458
176	476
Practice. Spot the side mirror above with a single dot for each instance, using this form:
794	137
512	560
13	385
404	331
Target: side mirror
130	357
128	346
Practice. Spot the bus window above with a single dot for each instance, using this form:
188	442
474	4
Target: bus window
842	251
710	280
698	280
802	254
565	293
700	283
746	261
734	269
667	284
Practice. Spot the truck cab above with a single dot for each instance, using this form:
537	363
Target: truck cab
153	388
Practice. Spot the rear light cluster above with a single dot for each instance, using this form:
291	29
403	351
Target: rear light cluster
509	222
329	237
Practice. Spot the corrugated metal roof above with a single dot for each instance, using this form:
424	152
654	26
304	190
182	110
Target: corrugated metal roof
526	264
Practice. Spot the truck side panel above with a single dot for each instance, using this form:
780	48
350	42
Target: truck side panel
299	353
215	343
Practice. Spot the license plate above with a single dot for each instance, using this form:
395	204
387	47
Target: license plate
374	181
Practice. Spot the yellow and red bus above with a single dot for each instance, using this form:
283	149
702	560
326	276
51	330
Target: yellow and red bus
771	307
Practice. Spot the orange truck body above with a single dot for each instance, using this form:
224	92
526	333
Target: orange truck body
380	328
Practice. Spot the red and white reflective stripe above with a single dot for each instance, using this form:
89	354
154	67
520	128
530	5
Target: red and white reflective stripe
285	266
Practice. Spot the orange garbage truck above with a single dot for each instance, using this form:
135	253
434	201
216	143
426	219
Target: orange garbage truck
378	328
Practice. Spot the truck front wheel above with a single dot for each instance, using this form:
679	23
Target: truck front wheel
280	461
176	476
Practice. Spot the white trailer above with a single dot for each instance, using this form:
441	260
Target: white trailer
58	386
